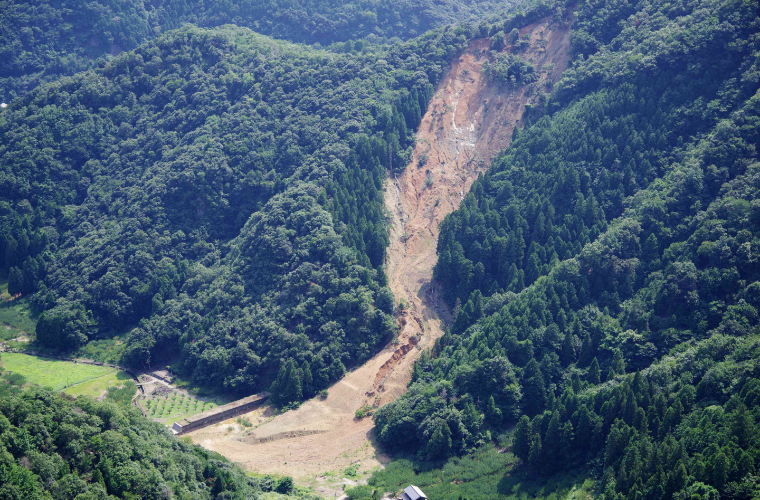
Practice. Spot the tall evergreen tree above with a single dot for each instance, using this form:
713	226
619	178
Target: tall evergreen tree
618	363
587	351
568	349
534	388
522	438
493	413
743	426
440	443
594	372
15	281
307	380
287	388
535	456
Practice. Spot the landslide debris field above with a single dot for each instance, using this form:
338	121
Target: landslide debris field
469	120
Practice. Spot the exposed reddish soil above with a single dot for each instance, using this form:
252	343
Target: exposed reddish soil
469	120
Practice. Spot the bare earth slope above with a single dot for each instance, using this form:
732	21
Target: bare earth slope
469	120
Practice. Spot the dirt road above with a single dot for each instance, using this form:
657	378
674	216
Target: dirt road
469	120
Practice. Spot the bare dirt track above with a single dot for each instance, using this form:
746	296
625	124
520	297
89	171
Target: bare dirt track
469	120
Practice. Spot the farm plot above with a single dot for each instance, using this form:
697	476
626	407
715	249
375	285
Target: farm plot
168	405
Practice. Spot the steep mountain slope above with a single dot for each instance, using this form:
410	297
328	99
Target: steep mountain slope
324	435
218	195
617	234
130	193
222	198
470	119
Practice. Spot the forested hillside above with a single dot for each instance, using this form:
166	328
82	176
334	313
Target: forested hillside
605	271
219	194
130	193
43	40
173	178
54	447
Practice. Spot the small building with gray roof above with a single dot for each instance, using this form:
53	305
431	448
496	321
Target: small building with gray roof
412	492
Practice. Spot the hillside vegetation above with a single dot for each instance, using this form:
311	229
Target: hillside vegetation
43	40
147	181
54	447
219	195
214	197
605	269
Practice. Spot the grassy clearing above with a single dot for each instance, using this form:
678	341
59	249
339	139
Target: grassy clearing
98	386
15	316
16	320
62	375
105	350
10	384
485	474
175	406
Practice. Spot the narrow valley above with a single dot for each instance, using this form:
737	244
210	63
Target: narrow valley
469	120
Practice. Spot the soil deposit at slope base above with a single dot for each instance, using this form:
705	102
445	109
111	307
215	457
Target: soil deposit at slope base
469	120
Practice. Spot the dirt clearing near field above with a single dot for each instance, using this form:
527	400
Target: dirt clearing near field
469	120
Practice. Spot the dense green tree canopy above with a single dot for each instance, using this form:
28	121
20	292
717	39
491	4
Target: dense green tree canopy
618	234
143	207
43	40
54	447
218	194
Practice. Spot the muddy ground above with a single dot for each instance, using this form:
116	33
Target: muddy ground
469	120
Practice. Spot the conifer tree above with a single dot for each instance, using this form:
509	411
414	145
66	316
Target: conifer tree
293	391
320	373
279	383
587	351
534	388
535	456
651	249
576	382
440	444
594	372
522	439
720	470
676	479
15	281
287	388
553	442
743	426
307	380
568	349
618	363
585	429
493	413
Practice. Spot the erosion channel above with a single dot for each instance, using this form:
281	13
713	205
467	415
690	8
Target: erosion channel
469	120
